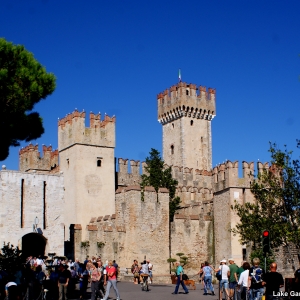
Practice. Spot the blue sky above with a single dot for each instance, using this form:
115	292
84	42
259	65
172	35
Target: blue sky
116	56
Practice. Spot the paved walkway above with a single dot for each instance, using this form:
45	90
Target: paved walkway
130	291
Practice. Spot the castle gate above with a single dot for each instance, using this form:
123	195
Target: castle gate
33	244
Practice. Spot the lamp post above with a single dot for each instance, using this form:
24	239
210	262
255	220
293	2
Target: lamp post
36	222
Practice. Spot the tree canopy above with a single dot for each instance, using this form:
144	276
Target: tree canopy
10	259
23	83
276	206
157	176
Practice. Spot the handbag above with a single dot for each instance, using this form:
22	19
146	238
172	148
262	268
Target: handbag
219	274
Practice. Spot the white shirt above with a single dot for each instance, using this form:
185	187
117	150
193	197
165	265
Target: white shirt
225	270
243	280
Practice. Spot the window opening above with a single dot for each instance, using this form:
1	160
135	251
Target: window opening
44	204
172	149
192	122
244	254
99	163
22	203
187	92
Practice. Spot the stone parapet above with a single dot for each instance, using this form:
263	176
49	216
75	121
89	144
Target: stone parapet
72	130
185	99
31	160
226	175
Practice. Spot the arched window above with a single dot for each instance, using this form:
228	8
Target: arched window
99	163
192	122
173	125
172	149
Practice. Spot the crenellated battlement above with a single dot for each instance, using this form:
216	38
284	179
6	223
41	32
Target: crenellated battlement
190	195
125	178
31	160
185	99
186	177
191	177
72	130
226	175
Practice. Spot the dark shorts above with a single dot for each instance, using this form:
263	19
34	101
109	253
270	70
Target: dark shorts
232	285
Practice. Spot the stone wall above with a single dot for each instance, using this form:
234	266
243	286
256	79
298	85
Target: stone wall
193	236
39	196
138	229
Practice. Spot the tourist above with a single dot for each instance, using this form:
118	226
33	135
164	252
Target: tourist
179	273
63	281
273	282
243	282
256	274
150	266
95	278
102	280
11	289
233	277
117	268
76	265
111	280
207	278
135	272
144	271
83	275
225	273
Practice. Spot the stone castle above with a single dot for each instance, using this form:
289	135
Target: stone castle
79	200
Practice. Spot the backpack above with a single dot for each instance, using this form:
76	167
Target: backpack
256	275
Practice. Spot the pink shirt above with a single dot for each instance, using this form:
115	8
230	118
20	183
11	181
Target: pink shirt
112	269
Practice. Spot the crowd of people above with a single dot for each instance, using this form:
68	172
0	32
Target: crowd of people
244	282
145	268
59	279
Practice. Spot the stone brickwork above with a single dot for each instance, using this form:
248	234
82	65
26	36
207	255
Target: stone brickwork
193	236
228	189
88	163
185	112
137	229
31	160
25	196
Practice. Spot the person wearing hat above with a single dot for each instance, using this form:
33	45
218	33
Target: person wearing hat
225	273
233	277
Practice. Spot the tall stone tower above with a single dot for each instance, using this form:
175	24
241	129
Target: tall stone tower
185	113
87	161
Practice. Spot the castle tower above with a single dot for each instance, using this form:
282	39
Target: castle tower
185	113
87	161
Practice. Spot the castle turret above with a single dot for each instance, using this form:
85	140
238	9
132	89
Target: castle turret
87	158
185	112
31	160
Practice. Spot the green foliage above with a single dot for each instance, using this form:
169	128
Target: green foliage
277	205
23	83
10	258
85	244
259	253
184	260
159	177
100	244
